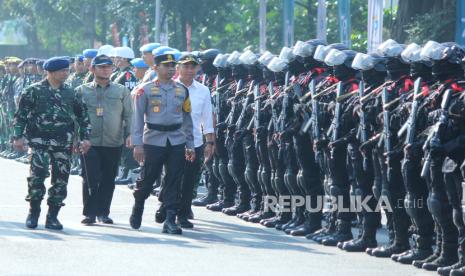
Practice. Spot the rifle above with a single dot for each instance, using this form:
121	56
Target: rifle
438	133
375	91
314	117
409	125
246	102
363	125
335	124
274	116
386	119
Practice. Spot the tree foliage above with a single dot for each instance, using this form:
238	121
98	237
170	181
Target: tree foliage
68	26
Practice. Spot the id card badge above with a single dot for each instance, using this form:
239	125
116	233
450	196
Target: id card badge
99	111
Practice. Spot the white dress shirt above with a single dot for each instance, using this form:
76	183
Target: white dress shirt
202	111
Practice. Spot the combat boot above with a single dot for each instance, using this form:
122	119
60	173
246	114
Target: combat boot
210	198
367	240
160	214
34	213
135	220
457	271
261	216
311	224
448	257
52	221
282	218
241	208
343	233
421	252
170	226
447	270
220	205
436	253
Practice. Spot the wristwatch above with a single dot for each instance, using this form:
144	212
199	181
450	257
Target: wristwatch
210	143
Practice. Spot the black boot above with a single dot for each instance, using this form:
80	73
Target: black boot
170	225
210	198
311	225
447	270
281	218
237	209
343	233
367	240
458	271
135	220
184	222
220	205
422	251
34	213
436	253
448	257
52	221
160	214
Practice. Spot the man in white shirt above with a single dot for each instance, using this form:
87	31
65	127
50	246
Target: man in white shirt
202	119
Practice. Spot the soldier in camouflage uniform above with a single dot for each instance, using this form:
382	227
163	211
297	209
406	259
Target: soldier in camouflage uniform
88	54
7	99
77	77
47	114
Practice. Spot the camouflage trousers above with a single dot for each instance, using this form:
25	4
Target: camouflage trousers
41	159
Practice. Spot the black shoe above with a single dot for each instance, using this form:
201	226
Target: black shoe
447	269
343	233
205	200
33	216
442	261
136	216
414	255
190	215
105	220
232	211
431	258
220	205
260	216
458	271
170	226
160	215
359	245
88	220
52	221
388	251
184	222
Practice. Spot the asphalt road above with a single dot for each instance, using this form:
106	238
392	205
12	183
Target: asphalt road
218	245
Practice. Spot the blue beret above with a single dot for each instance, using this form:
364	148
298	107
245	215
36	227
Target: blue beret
139	63
80	58
56	63
90	53
161	50
149	47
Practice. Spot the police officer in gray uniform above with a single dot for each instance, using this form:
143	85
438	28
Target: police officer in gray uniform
162	135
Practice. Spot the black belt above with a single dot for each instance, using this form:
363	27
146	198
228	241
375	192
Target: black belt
163	127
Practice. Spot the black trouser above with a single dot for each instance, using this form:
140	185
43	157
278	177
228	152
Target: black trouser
394	190
251	169
236	168
309	176
264	171
416	198
191	172
100	166
172	158
364	177
220	167
340	186
438	202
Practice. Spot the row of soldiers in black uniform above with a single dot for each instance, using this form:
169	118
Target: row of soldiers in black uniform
324	120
